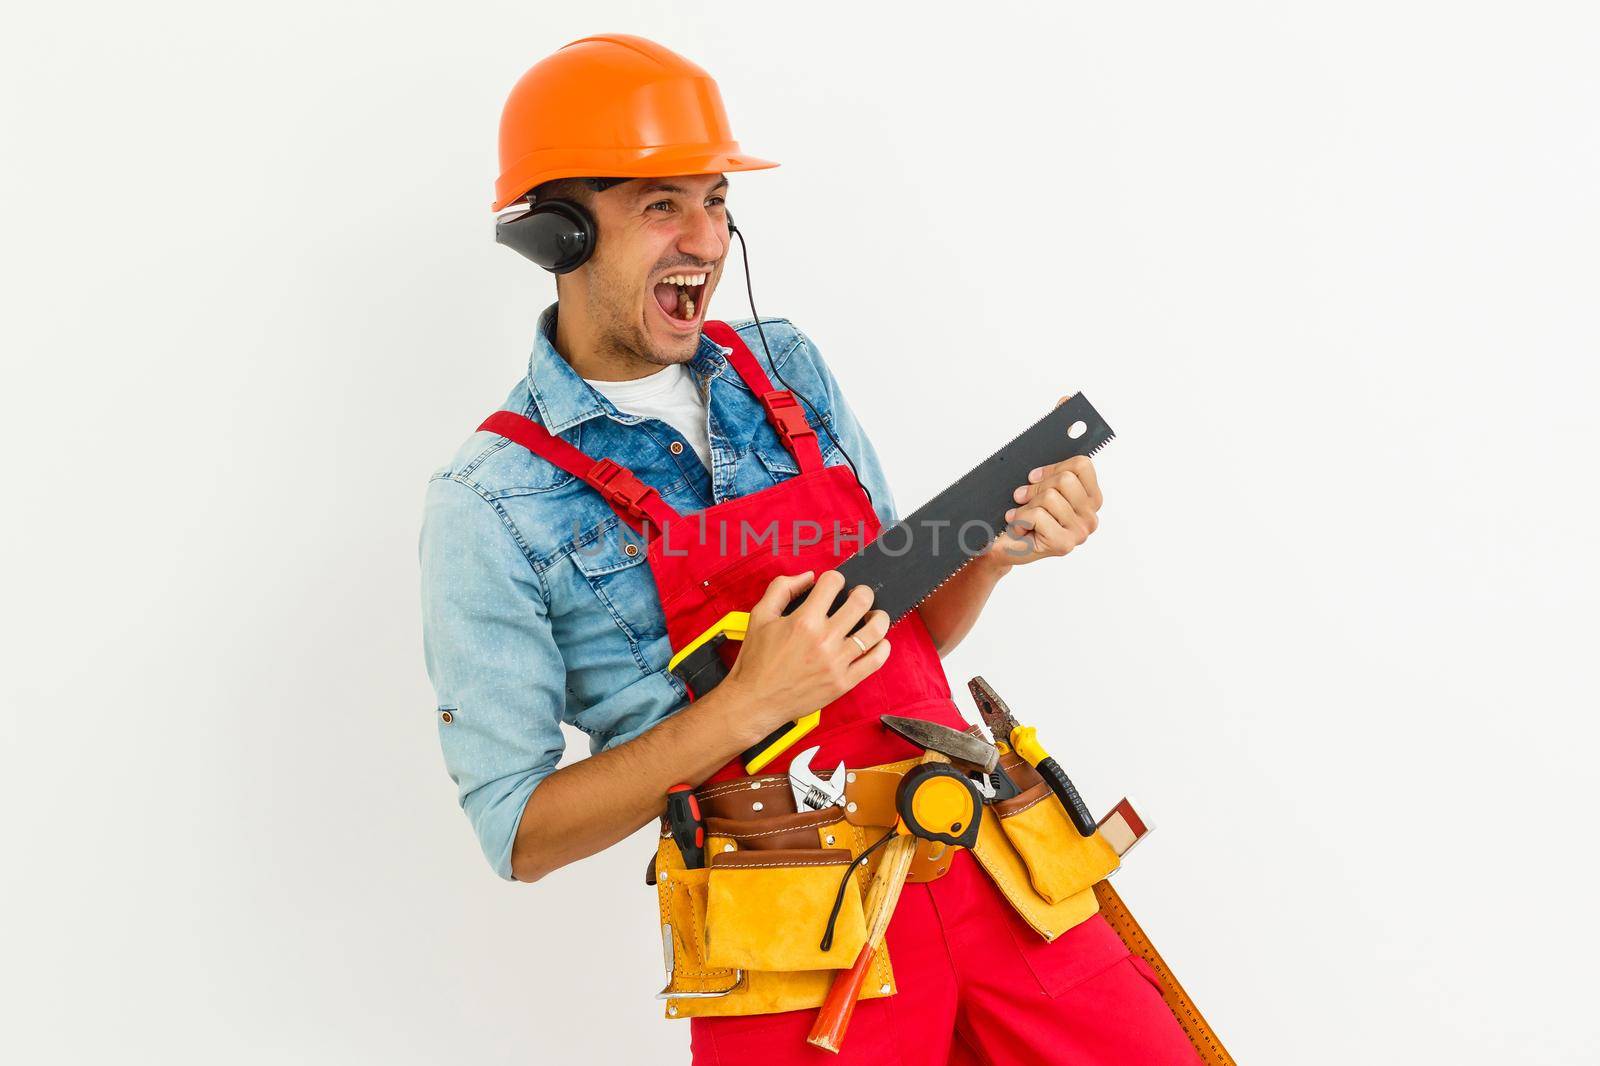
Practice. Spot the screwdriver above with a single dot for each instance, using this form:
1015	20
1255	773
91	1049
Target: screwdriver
688	828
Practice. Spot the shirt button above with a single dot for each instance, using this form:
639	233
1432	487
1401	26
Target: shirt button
446	717
631	550
676	447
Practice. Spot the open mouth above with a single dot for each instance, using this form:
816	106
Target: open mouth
681	297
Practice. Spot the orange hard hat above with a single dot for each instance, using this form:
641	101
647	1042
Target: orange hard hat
614	105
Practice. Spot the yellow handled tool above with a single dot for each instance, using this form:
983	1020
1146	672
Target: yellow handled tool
700	667
1024	741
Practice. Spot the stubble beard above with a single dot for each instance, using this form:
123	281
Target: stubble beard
627	337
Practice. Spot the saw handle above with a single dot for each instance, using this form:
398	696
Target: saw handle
700	667
1025	742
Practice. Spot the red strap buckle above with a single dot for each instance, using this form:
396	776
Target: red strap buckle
620	487
786	411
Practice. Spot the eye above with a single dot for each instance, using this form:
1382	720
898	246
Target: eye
659	203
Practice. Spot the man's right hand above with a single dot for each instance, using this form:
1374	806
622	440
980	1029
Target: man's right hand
790	665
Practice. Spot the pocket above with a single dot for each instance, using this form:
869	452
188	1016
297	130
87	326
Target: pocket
699	988
686	907
1060	861
681	895
768	910
1085	951
1148	972
1010	872
611	560
799	831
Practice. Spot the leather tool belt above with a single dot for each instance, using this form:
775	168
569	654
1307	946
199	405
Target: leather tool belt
741	935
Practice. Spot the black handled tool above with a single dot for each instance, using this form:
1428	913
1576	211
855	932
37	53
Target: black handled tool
1059	782
688	828
1025	742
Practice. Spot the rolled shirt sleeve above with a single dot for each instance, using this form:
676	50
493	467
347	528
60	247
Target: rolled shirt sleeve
495	667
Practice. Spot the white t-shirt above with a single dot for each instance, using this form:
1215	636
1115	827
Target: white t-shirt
669	394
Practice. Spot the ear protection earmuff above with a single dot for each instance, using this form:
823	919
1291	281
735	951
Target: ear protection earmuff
559	235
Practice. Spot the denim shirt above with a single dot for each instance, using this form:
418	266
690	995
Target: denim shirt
534	613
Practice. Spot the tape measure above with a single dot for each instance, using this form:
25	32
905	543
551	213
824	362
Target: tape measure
936	801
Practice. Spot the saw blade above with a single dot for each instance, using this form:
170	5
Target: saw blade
909	561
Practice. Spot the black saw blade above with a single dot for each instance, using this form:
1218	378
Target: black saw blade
907	562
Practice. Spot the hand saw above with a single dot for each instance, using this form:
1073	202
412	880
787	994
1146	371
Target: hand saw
908	562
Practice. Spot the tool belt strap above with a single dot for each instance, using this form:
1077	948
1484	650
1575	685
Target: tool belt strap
759	812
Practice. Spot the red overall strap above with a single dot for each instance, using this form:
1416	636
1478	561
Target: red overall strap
783	410
629	497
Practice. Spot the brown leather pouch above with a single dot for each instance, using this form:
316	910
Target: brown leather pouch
747	797
805	829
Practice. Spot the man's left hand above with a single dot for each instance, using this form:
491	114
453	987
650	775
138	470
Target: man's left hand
1054	513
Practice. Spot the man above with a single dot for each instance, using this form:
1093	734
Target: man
552	591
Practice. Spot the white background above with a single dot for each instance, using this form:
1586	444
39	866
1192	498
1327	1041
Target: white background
1330	270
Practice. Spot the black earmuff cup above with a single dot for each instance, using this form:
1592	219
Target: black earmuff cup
558	235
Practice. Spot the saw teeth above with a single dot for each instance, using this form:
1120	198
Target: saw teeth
968	561
1110	436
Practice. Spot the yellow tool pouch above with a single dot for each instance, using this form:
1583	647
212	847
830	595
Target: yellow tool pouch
765	910
742	935
1036	857
1060	861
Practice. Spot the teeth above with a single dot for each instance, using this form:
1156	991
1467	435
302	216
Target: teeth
688	308
683	279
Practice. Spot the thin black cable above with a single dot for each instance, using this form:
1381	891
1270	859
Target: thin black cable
844	883
750	290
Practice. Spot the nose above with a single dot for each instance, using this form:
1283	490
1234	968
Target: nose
704	236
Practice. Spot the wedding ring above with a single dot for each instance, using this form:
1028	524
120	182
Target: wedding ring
860	645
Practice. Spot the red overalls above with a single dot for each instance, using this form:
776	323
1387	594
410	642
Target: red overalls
975	983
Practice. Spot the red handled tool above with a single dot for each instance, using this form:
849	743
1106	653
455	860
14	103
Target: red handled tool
688	828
